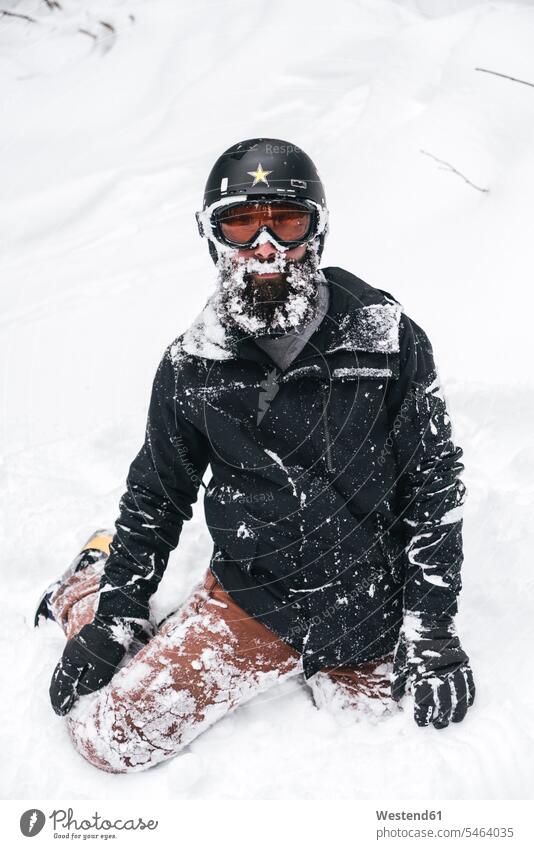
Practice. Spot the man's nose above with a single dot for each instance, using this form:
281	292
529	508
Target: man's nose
265	251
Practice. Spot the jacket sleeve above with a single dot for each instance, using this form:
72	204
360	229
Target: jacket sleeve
431	493
162	485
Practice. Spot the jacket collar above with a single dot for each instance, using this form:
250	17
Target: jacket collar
360	318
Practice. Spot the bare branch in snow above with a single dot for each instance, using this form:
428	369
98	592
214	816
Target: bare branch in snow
52	4
110	37
86	32
4	12
449	167
505	76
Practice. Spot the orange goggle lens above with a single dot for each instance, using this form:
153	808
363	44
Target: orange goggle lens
289	222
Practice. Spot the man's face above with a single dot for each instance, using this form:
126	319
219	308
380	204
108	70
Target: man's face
271	300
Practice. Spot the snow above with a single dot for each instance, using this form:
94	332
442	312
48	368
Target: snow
280	462
372	328
205	337
106	146
412	552
361	372
453	515
243	532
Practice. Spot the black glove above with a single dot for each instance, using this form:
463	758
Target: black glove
91	658
430	662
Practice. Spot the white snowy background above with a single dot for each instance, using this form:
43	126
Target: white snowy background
112	114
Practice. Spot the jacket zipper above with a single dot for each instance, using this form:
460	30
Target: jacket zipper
328	453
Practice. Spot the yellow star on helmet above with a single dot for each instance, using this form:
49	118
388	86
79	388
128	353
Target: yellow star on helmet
260	176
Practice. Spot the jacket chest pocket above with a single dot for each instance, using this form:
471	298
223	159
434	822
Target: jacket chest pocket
353	410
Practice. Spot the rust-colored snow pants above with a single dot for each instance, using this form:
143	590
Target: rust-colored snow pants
204	661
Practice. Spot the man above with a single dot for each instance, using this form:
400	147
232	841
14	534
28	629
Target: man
334	503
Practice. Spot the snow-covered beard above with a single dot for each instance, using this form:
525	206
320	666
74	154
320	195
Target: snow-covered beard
268	307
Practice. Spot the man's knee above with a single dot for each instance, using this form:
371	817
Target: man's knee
119	734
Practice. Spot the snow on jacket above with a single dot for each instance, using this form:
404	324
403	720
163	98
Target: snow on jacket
335	498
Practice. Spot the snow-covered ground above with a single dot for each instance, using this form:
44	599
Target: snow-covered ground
108	133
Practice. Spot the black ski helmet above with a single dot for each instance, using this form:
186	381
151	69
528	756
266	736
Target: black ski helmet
262	169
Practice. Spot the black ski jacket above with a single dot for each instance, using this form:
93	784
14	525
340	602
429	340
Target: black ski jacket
335	499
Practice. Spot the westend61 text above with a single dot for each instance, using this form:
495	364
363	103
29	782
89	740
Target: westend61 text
408	815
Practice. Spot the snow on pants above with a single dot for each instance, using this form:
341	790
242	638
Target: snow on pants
205	660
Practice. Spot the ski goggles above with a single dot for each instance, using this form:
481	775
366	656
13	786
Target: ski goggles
289	222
